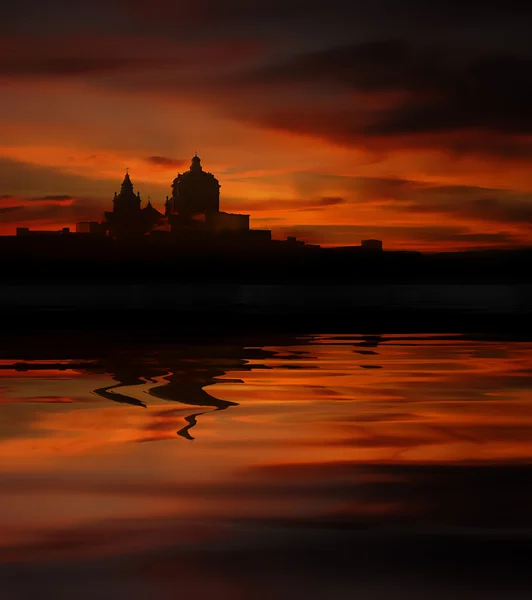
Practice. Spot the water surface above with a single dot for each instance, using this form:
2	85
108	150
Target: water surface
333	466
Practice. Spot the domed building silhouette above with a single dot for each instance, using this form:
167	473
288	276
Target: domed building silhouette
195	204
195	191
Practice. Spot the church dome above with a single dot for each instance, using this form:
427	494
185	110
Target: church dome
195	191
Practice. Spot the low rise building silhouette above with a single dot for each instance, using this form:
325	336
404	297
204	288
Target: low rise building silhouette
26	231
90	227
372	245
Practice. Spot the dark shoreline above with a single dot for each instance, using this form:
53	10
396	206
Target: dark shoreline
227	310
195	326
147	263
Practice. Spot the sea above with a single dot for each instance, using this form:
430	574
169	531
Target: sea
272	466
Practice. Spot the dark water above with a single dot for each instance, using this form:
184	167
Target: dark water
327	466
267	299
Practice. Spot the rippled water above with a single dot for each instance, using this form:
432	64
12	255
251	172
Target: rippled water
335	466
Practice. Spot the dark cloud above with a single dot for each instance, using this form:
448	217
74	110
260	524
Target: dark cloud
493	93
59	16
80	209
56	198
464	202
284	204
501	238
468	203
386	11
90	56
325	202
331	201
10	209
415	93
480	209
372	66
164	161
70	65
29	180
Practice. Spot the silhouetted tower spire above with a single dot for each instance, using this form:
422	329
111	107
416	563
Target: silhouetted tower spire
128	219
127	199
127	186
196	167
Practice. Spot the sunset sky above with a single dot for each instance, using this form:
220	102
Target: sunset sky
334	121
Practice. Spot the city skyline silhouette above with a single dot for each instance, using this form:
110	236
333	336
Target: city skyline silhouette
192	234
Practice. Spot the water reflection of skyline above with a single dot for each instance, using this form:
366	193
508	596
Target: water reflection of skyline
413	469
173	373
191	375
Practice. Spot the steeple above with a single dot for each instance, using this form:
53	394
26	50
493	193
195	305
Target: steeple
127	199
127	186
128	219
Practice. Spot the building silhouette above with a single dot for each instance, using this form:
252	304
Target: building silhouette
192	213
371	245
194	206
194	192
90	227
192	222
128	219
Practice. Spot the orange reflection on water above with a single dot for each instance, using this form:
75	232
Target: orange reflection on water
360	430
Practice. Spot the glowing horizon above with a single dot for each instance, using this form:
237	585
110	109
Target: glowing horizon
330	133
